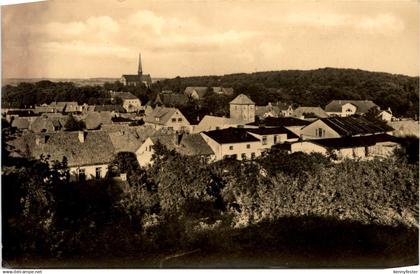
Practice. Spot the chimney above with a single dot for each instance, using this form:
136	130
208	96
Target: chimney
82	136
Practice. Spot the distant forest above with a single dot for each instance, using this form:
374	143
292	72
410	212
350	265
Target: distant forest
316	87
306	88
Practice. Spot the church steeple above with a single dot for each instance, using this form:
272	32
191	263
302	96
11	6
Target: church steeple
140	69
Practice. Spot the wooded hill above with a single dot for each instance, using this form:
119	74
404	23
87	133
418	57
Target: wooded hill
316	87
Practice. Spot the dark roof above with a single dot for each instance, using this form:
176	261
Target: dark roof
97	147
22	112
231	135
121	120
171	99
191	144
355	125
281	121
271	131
131	77
146	78
201	91
116	108
123	95
359	141
363	106
306	111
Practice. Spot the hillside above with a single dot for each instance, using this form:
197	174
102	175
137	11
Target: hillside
316	87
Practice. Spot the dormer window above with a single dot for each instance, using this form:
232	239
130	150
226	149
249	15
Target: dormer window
157	119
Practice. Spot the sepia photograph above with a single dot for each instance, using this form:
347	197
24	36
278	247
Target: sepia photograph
210	134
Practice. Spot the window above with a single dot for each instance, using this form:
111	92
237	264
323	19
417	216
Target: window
217	128
179	119
82	176
264	140
348	110
149	148
98	172
173	120
234	156
319	132
243	156
230	147
275	139
248	146
253	155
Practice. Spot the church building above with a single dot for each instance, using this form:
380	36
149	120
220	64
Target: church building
136	79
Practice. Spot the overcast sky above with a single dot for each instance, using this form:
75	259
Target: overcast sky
103	38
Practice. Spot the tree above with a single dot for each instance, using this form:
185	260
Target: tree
73	125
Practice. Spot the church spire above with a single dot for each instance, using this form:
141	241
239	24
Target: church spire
140	70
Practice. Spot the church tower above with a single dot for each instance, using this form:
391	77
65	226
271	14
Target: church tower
140	69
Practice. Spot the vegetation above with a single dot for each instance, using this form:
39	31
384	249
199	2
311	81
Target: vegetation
316	87
308	88
277	202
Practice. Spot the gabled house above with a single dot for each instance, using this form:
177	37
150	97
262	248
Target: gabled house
29	114
223	91
242	109
48	122
210	122
171	99
293	124
94	120
233	143
185	144
196	93
386	115
272	136
88	153
360	147
336	127
167	117
345	108
129	102
273	110
309	113
21	123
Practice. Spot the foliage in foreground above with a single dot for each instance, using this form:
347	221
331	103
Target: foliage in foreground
182	203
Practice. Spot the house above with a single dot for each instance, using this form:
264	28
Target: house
171	99
130	139
232	143
71	107
223	91
345	108
88	154
185	144
44	108
21	123
137	79
361	147
272	136
293	124
386	115
25	113
309	113
167	117
129	102
122	120
273	110
196	93
94	120
336	127
109	108
48	122
210	122
242	109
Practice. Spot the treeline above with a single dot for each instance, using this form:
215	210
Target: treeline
316	87
31	94
278	202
